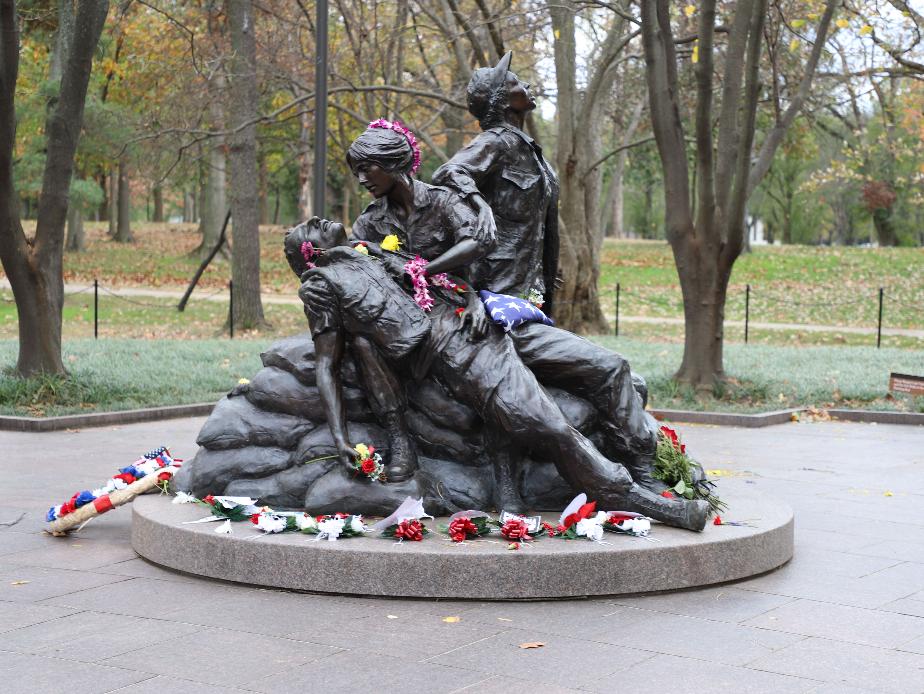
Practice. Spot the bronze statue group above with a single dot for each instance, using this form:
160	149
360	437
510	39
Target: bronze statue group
413	308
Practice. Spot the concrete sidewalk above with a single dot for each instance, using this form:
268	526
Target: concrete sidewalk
845	616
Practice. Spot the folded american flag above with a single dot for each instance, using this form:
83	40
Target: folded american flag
510	311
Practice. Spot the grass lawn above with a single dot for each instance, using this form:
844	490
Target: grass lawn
116	374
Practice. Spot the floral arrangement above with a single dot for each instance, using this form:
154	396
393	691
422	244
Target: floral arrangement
150	462
401	129
467	525
674	467
409	529
235	508
369	462
580	519
334	527
404	522
270	521
628	523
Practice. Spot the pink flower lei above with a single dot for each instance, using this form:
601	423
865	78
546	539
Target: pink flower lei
401	129
309	253
417	270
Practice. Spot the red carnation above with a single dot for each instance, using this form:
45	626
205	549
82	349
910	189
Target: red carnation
255	518
368	466
209	499
667	494
410	530
461	528
515	529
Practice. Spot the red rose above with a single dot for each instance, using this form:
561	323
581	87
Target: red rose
671	436
683	448
515	529
460	311
209	500
164	476
717	520
368	466
667	494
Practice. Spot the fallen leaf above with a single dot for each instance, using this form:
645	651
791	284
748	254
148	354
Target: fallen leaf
450	620
392	616
19	583
889	494
532	644
504	619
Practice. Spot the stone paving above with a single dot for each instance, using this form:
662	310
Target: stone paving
846	615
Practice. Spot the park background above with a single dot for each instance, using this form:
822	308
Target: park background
189	114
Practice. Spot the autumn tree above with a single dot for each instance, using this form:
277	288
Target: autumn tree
705	216
34	265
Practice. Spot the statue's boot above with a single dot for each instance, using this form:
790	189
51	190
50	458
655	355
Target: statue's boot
638	461
402	462
680	513
506	491
641	468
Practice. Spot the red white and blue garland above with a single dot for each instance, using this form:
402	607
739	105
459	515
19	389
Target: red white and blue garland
150	462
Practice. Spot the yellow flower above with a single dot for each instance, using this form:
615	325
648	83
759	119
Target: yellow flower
243	381
362	449
391	243
361	248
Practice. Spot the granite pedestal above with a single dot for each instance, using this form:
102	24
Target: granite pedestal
480	569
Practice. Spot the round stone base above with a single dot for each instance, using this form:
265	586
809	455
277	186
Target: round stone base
483	569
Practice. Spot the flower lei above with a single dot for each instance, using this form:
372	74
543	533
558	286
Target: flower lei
401	129
150	462
417	270
309	253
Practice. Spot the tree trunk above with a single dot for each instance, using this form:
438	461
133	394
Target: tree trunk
124	227
885	227
242	160
214	202
76	238
34	268
112	215
263	204
577	304
158	194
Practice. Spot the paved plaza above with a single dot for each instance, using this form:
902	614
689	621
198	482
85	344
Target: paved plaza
846	615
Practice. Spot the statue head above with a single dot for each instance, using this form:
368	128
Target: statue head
386	153
494	91
305	242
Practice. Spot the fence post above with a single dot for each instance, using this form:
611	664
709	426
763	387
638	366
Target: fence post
617	311
879	328
96	309
231	307
747	310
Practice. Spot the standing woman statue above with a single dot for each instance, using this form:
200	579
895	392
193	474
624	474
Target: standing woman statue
503	174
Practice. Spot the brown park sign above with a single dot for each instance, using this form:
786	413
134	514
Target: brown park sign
905	383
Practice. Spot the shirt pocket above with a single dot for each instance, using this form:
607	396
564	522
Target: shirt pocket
518	194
